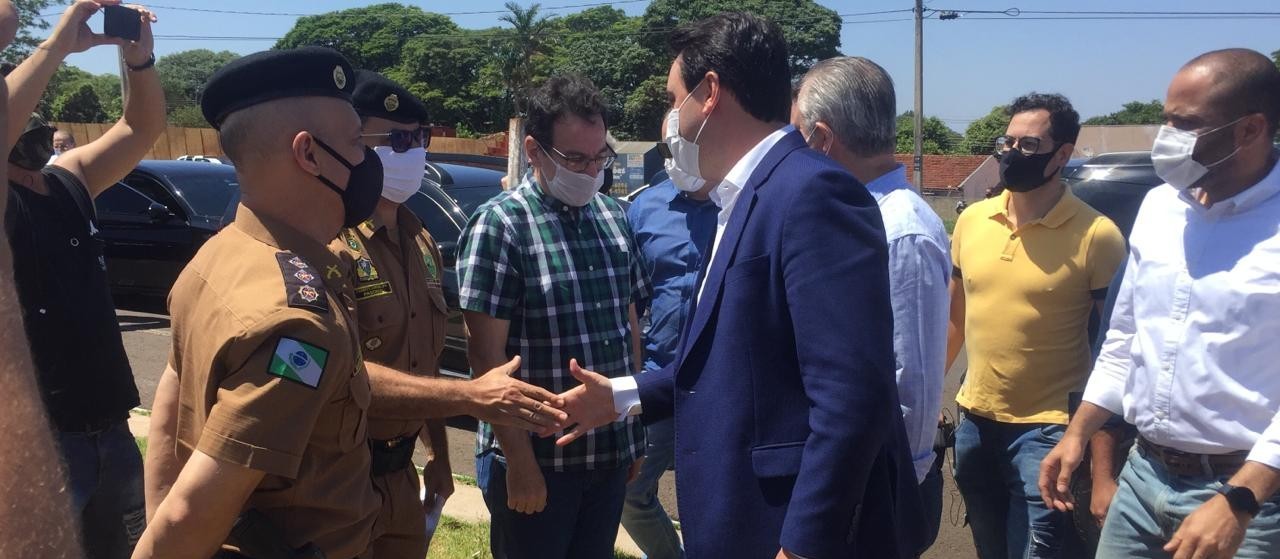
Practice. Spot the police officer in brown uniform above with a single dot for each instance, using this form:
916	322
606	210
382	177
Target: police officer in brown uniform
396	269
273	392
260	419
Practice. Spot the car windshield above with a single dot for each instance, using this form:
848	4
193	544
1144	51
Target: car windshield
209	194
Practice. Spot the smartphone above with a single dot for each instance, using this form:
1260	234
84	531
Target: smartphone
122	22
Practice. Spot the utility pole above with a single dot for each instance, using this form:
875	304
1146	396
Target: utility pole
918	176
124	77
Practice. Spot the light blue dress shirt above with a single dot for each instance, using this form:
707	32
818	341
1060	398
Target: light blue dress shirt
919	272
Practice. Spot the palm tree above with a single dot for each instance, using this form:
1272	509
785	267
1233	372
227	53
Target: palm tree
528	42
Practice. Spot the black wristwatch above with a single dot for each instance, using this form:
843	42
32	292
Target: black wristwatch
1241	499
145	65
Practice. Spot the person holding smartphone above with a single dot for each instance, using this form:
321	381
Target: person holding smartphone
69	317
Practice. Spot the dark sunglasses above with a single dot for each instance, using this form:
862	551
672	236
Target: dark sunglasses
404	140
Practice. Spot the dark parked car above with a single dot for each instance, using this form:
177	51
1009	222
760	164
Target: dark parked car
1115	184
469	186
155	220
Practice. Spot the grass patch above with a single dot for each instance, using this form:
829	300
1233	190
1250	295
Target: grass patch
142	444
141	411
455	539
465	480
949	223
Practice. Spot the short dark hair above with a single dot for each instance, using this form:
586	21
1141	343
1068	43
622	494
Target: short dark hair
747	52
561	95
1064	121
1245	82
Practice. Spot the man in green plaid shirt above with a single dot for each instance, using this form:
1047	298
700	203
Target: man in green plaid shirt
550	271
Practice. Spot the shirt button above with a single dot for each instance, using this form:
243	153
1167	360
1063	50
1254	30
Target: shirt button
413	315
591	268
1013	236
598	305
414	364
606	342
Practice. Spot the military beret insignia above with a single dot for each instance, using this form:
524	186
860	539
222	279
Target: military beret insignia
391	103
339	77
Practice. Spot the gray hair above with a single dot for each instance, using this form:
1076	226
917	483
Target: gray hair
854	96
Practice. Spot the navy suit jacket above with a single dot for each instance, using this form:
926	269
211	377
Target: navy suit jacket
788	430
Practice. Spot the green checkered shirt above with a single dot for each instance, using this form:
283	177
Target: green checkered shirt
564	277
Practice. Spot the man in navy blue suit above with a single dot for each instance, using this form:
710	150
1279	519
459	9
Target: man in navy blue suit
789	437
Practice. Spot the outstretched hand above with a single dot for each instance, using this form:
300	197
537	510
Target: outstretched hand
590	404
502	400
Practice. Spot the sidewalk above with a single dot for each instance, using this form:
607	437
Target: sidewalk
466	504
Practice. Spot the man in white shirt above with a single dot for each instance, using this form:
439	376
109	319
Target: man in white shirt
845	108
1191	351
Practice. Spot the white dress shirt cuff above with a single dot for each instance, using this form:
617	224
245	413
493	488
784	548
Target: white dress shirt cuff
1105	390
1267	449
626	397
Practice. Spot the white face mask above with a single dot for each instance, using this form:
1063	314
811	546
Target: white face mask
682	166
574	189
402	173
1171	156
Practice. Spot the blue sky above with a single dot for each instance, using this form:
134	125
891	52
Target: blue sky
970	65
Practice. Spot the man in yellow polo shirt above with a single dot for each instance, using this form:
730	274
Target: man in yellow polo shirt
1030	266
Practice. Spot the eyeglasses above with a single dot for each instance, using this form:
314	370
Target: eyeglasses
579	164
404	140
1028	145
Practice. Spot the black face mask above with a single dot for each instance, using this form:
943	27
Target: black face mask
1024	173
364	186
33	149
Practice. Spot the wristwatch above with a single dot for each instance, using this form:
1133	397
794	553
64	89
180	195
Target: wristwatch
145	65
1241	499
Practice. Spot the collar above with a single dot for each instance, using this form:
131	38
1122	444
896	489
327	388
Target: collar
895	179
1246	200
726	193
1061	212
278	234
671	194
405	220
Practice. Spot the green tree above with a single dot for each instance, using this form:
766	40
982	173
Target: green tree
1133	112
188	115
601	44
183	74
1276	57
441	72
938	138
981	134
29	21
78	103
812	30
372	37
524	53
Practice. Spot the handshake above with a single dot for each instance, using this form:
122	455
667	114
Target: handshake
503	400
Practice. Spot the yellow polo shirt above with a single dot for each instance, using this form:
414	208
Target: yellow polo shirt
1028	294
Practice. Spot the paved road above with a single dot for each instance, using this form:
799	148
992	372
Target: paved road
147	341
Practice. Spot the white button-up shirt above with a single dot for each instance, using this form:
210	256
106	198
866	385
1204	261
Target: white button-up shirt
1192	357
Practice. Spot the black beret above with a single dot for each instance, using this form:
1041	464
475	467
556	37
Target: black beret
275	74
377	95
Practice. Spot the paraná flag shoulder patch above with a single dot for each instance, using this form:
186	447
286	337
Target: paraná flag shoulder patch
298	361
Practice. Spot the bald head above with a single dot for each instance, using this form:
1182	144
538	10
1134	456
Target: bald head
264	133
1237	82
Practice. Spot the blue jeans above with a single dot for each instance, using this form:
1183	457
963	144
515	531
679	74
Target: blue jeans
997	468
104	471
931	498
642	514
580	520
1151	503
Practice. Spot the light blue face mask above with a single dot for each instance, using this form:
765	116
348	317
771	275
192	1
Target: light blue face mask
1171	155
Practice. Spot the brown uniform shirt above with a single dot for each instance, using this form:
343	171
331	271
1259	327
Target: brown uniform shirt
399	301
271	378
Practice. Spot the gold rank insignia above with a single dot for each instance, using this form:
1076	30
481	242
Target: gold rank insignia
391	103
352	242
339	77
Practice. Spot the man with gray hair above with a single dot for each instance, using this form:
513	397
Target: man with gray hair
845	108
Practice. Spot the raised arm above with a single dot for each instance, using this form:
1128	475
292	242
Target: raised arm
102	162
